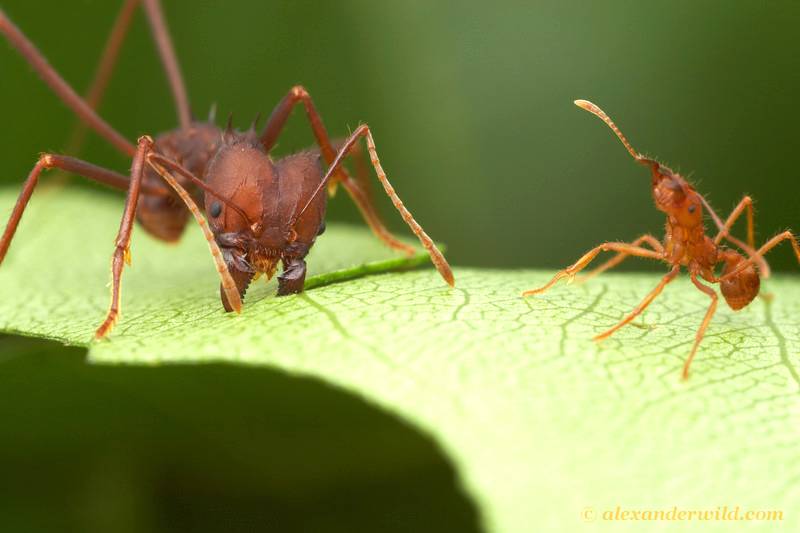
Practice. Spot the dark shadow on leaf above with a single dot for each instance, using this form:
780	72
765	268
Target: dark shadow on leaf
207	448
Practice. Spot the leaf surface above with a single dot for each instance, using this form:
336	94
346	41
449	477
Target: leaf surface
541	423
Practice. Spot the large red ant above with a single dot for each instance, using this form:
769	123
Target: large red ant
261	211
685	244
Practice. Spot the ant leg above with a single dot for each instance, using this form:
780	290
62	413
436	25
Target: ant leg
704	325
293	277
66	164
363	130
360	192
279	116
61	88
654	243
94	94
580	264
671	275
724	229
360	196
122	253
745	204
769	245
230	290
105	67
160	31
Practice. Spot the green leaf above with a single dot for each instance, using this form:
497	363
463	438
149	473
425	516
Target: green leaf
540	422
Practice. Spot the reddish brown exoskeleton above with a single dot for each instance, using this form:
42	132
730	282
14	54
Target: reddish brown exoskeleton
685	244
261	211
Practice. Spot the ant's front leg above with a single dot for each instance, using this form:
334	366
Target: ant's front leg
580	264
293	277
363	131
122	254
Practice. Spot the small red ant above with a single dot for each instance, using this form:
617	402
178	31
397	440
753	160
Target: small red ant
261	211
685	244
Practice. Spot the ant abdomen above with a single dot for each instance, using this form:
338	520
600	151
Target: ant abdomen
741	288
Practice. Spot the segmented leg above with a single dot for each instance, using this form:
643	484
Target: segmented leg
97	87
704	325
583	262
122	252
724	231
746	204
363	131
170	61
769	245
228	287
671	275
61	88
651	241
359	194
66	164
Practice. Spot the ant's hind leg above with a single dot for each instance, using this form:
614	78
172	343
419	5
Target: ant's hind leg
643	305
583	262
158	25
769	245
651	241
61	88
94	94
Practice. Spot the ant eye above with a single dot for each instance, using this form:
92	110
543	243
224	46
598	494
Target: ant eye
692	208
215	210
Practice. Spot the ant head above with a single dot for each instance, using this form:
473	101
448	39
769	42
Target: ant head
672	194
240	171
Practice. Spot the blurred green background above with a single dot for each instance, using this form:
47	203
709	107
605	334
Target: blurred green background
470	102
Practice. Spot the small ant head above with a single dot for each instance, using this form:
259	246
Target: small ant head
741	288
674	196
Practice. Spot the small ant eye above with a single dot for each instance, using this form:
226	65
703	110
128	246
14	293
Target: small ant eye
692	209
215	210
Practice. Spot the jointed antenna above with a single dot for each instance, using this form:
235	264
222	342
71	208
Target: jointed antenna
593	109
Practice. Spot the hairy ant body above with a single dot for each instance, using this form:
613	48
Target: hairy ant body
260	211
685	244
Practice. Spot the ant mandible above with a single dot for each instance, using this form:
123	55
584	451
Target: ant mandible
685	244
261	211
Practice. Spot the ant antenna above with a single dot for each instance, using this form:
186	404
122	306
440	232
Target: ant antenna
593	109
